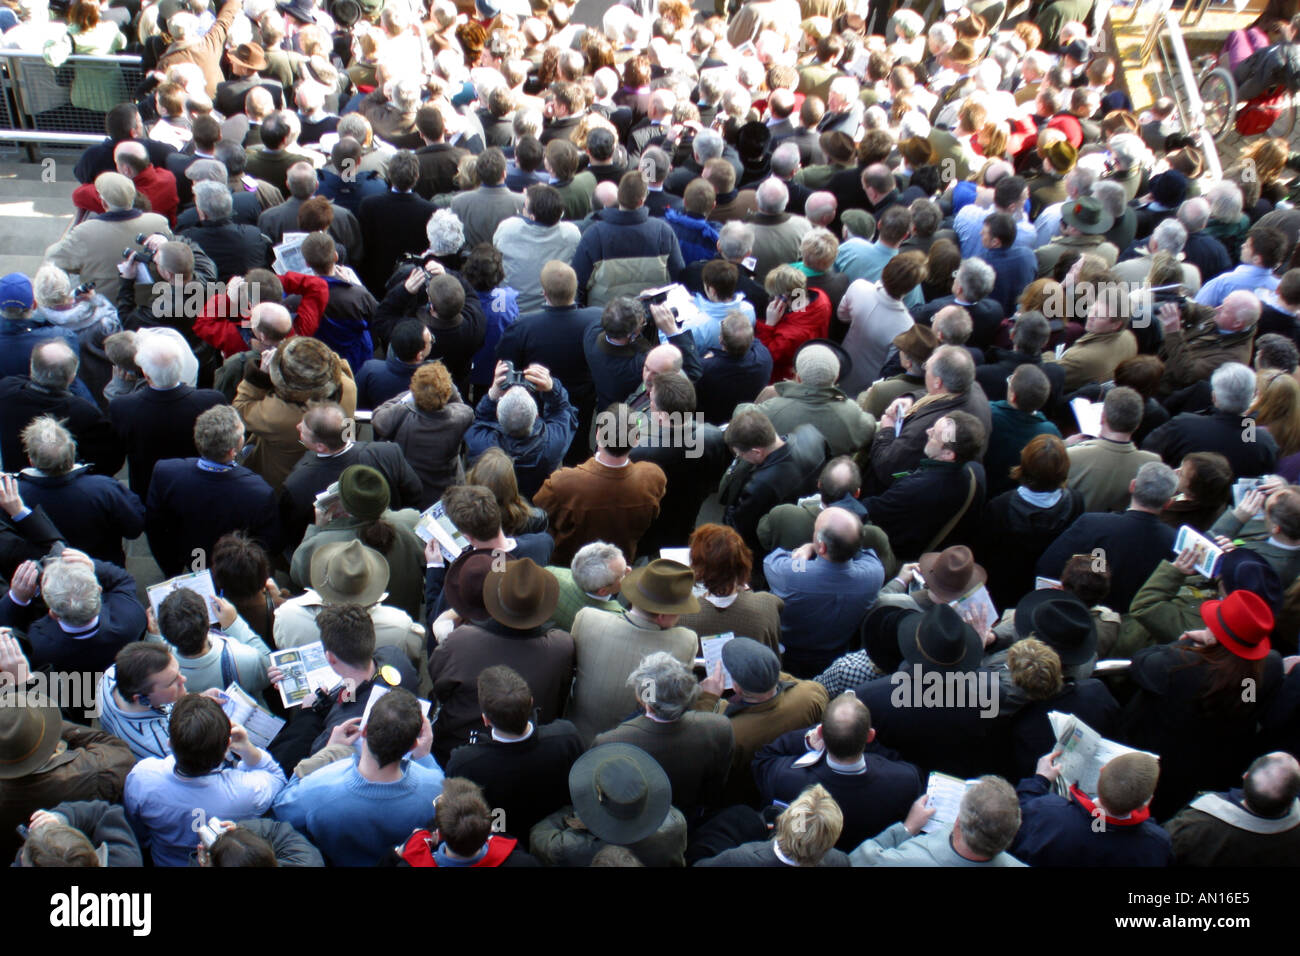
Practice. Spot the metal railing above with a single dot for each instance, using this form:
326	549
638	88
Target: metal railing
40	103
1178	80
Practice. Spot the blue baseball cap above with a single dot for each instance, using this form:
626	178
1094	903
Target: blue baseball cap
16	292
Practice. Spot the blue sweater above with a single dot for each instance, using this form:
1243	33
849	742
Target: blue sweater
355	822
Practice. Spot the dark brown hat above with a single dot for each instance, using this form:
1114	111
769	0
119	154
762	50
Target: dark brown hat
464	584
522	595
951	573
30	729
250	56
661	587
962	52
919	341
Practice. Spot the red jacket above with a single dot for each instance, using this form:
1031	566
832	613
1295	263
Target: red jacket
159	185
216	326
418	850
794	329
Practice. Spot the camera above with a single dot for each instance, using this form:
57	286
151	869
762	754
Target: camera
83	289
143	256
140	237
210	831
514	377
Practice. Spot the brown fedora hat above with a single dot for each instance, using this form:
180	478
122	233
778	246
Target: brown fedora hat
30	730
951	573
661	587
522	596
347	572
962	52
464	584
919	341
250	56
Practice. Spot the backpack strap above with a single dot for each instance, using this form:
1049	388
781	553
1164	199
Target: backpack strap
960	513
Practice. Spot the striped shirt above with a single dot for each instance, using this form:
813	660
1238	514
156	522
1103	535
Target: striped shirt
145	732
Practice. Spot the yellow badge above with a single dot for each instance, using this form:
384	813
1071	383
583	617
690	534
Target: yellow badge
390	675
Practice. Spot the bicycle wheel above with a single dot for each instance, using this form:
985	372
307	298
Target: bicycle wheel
1285	123
1219	97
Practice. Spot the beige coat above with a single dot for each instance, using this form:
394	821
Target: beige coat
1051	253
1100	471
1092	358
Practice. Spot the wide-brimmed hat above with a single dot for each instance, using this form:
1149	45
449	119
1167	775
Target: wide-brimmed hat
522	595
364	492
1088	216
1061	155
939	639
962	52
1063	623
1244	570
250	56
305	369
620	792
880	634
1242	622
464	584
348	572
30	730
661	587
919	341
951	573
301	10
320	69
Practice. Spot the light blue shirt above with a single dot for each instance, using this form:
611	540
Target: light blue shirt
860	259
1048	224
355	822
165	808
969	223
1251	278
708	330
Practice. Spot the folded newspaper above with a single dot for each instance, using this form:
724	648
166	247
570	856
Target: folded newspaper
1083	752
262	725
305	671
944	794
434	525
200	582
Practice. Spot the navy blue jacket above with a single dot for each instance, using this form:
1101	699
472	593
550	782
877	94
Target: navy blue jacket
1133	542
349	194
1058	831
98	511
154	424
378	380
121	621
698	238
916	507
616	369
728	381
624	234
872	801
21	400
189	508
1208	254
535	456
553	336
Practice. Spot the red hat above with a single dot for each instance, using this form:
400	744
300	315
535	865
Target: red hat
1242	623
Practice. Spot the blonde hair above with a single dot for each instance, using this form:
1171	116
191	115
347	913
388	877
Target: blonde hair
1035	668
810	826
1277	408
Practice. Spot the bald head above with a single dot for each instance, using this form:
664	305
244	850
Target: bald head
781	103
819	209
660	359
846	727
268	317
54	365
1272	784
131	158
606	195
1238	312
837	535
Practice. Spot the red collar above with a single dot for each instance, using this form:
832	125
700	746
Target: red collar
1136	818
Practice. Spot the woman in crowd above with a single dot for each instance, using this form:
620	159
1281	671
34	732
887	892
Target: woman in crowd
428	423
722	564
1204	490
494	470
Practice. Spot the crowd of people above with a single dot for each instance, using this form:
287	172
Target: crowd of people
770	377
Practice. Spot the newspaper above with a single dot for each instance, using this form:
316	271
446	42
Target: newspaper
1088	415
262	726
1083	752
1243	487
680	555
944	794
712	650
200	582
969	606
435	525
305	672
379	690
678	298
288	254
1206	553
